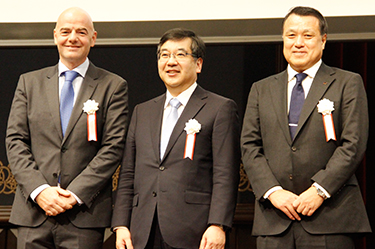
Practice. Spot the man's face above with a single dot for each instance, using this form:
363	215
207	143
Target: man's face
178	74
74	36
303	43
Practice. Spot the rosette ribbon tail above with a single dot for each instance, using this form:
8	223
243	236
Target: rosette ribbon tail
190	145
329	127
91	127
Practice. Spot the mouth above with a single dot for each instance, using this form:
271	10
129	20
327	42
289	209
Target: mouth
72	47
299	53
172	72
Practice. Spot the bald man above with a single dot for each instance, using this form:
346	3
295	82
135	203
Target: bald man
65	137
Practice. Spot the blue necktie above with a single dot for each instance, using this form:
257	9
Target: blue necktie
67	99
168	125
296	102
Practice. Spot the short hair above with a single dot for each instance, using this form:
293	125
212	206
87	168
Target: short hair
308	11
198	48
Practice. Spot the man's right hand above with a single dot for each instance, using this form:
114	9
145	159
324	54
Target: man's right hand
283	200
123	239
51	202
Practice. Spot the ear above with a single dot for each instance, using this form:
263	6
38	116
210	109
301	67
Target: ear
324	40
199	64
55	36
93	38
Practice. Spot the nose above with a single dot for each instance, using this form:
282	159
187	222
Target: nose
172	60
300	41
73	37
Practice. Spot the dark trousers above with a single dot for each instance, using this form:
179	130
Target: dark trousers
156	241
295	237
59	233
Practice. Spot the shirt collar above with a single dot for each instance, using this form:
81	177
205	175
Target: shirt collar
81	69
182	97
311	72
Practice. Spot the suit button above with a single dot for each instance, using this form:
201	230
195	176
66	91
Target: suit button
294	149
161	168
290	177
154	194
54	175
63	149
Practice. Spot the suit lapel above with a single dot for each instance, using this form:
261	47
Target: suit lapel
196	102
156	115
87	89
279	89
322	81
53	102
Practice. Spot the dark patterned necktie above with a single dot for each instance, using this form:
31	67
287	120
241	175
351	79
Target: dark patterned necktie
296	102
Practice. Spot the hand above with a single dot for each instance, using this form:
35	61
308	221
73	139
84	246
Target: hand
52	202
283	200
123	238
213	237
308	202
70	200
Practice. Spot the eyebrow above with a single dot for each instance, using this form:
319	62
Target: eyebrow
78	29
179	49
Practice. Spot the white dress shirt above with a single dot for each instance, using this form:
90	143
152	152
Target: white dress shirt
306	84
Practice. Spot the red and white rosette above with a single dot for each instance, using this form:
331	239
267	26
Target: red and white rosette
325	107
192	127
90	107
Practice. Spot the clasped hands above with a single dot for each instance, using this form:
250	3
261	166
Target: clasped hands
55	200
213	238
293	205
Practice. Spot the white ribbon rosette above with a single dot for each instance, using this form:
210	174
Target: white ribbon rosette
192	127
90	107
325	107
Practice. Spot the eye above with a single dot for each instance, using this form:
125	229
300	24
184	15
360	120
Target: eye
64	32
164	55
181	55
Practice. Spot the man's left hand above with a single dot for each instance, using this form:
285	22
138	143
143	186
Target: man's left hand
70	199
308	202
213	237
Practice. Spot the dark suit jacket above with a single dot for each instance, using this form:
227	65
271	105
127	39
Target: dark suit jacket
271	158
188	194
37	151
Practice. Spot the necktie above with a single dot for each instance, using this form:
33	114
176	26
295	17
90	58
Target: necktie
296	102
169	124
67	99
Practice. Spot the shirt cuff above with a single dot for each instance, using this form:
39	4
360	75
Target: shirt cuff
116	228
80	202
38	190
316	185
271	190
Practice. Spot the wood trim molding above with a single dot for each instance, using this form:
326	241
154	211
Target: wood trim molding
212	31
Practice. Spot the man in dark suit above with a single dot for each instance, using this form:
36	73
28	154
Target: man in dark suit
302	169
179	190
62	162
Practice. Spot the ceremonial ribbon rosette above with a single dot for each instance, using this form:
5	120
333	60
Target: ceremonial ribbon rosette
325	107
192	127
90	107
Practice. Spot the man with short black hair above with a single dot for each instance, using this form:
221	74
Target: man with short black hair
304	135
180	172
